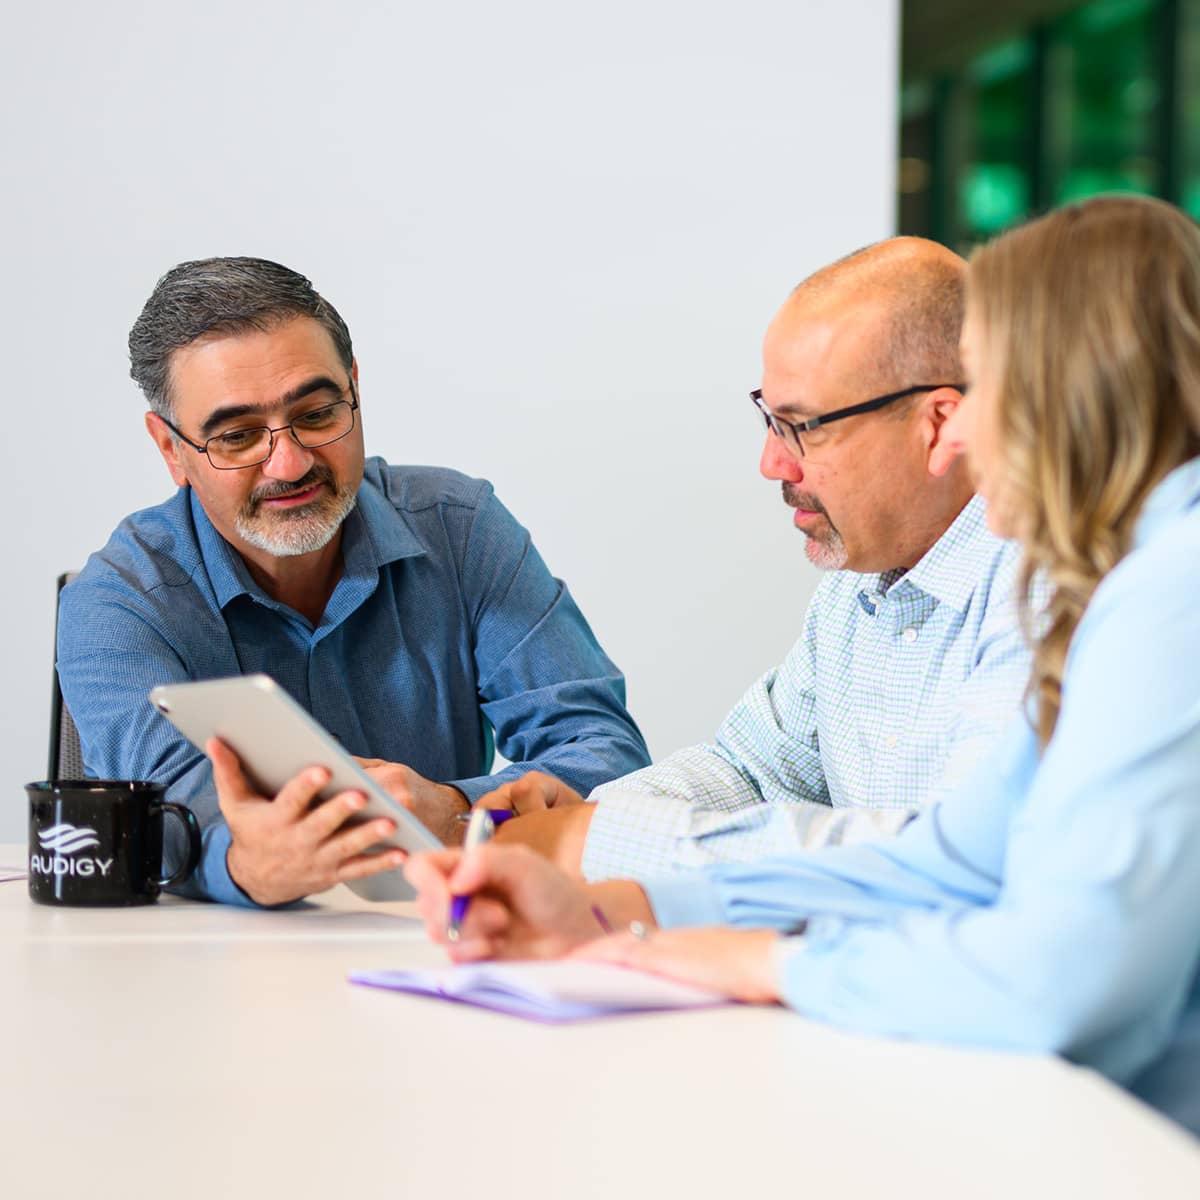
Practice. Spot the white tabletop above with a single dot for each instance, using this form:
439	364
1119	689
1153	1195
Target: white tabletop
187	1050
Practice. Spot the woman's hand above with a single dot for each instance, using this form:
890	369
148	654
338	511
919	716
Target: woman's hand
738	963
522	906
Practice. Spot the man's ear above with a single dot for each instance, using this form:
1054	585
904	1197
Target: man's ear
940	406
168	447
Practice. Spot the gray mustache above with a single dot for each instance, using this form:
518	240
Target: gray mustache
793	497
281	488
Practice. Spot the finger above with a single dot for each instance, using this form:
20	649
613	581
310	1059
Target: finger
532	791
368	762
502	799
397	780
556	793
624	950
471	950
616	948
685	955
499	868
485	918
429	872
232	786
363	865
431	909
323	821
548	791
349	843
296	796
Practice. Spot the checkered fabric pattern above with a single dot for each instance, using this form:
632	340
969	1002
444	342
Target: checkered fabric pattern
899	685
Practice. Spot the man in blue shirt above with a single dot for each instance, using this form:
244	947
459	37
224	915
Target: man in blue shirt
405	608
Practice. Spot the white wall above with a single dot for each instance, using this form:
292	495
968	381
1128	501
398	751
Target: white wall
556	231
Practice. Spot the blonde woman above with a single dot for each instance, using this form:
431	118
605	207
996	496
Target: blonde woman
1054	904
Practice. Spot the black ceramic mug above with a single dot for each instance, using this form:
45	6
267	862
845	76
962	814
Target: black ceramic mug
99	841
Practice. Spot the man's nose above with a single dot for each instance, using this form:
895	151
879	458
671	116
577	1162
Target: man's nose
289	460
779	462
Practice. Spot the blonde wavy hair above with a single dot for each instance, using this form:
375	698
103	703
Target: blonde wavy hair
1090	319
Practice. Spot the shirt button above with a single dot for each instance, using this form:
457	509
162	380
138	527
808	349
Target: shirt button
909	635
891	741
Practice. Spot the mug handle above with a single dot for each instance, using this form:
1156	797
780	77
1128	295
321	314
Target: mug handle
192	826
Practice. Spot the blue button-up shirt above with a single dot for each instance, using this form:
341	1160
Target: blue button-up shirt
1053	903
445	631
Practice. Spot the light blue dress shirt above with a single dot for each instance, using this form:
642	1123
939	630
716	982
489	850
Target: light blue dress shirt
1053	904
899	685
445	631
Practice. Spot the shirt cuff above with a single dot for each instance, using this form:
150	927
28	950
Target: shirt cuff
689	899
212	880
784	953
475	789
634	835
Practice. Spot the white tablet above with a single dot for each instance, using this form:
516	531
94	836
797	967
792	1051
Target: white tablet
276	739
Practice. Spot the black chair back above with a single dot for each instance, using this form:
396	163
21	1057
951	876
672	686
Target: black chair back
66	757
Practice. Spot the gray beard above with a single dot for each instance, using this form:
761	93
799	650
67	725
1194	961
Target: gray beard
828	554
299	531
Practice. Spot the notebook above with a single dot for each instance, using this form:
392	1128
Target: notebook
553	992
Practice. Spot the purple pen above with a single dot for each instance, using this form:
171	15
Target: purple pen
480	827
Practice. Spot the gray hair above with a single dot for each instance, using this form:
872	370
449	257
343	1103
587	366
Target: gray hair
220	296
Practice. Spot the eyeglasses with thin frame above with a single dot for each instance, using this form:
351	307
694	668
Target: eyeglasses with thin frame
239	448
790	431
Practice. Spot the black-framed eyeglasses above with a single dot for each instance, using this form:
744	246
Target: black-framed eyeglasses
791	430
238	448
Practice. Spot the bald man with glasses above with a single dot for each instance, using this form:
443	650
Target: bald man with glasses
404	607
911	661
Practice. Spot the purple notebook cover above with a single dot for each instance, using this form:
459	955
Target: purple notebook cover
551	993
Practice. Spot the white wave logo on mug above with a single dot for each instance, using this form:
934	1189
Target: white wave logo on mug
60	843
67	839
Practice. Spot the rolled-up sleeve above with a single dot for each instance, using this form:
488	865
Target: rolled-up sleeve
555	700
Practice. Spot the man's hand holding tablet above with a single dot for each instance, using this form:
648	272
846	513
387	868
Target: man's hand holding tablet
285	847
303	814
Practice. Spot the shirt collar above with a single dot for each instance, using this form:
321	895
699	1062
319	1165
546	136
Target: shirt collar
226	570
951	568
376	533
373	535
1171	498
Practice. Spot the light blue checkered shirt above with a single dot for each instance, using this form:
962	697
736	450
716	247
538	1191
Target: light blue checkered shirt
899	685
